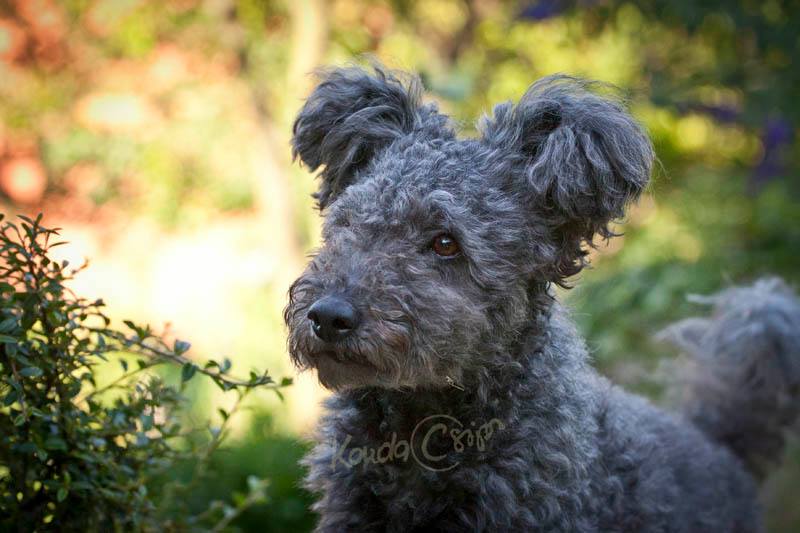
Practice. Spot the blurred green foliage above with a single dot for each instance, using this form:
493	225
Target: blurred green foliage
79	454
181	112
265	453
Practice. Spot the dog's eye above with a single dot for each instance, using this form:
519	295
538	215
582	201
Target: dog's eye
445	245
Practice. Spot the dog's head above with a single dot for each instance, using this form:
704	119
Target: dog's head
433	246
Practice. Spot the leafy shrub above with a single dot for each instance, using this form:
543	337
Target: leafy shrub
264	451
80	455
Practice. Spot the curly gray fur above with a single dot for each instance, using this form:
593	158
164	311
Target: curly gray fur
742	384
479	336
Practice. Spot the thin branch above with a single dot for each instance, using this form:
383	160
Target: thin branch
138	347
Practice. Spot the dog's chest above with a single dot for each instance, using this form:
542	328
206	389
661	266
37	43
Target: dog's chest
444	489
449	471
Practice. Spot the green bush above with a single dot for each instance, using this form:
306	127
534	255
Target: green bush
262	451
78	454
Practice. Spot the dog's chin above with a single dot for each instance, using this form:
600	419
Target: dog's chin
336	374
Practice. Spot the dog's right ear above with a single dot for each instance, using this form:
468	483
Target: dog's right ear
348	119
579	157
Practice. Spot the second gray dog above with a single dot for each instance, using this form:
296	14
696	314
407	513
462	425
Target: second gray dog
464	400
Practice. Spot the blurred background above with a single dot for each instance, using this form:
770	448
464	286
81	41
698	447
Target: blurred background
156	134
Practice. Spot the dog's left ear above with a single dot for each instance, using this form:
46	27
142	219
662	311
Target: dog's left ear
578	158
351	116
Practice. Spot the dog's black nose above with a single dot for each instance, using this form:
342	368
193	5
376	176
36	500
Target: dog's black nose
332	318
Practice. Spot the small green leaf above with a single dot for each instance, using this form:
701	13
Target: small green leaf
147	422
24	360
181	347
10	398
188	371
223	413
55	443
31	372
8	324
8	339
62	494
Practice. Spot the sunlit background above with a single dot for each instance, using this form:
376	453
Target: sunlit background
156	134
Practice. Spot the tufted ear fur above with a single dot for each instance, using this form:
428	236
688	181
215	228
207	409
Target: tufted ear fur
581	157
350	116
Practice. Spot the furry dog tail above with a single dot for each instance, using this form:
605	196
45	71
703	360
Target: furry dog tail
741	382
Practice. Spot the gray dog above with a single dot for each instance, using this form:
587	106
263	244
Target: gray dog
463	396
